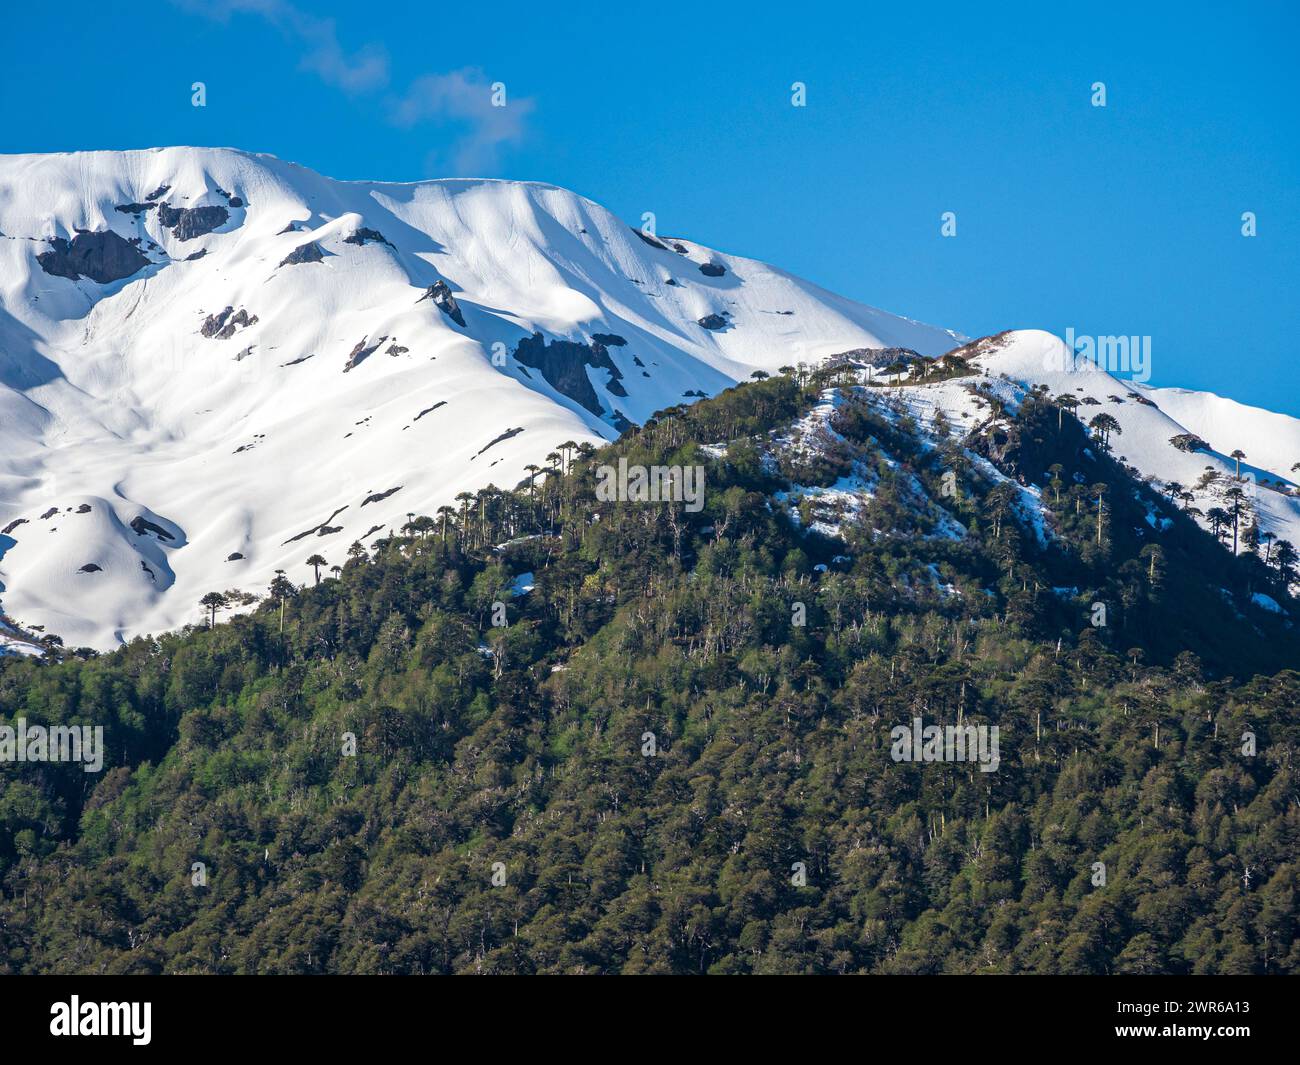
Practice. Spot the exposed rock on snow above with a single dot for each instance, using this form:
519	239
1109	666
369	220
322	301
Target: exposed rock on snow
317	529
430	410
102	257
498	439
654	242
222	326
563	363
441	295
141	525
361	352
187	223
304	253
367	236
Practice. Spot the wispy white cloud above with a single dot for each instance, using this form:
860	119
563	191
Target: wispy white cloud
462	99
322	53
466	97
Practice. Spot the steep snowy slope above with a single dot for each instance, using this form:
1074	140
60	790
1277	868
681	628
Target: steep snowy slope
1149	419
1270	440
214	364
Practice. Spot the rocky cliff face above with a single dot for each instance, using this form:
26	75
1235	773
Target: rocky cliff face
102	257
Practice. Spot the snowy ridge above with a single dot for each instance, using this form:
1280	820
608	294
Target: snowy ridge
1149	418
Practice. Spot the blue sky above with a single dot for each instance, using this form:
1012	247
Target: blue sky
1117	220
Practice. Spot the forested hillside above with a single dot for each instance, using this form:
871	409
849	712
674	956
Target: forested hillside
652	766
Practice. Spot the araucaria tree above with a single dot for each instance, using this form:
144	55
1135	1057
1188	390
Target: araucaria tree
213	602
315	562
1103	427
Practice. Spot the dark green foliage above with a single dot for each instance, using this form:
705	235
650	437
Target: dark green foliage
523	745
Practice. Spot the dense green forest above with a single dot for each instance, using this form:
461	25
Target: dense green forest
652	767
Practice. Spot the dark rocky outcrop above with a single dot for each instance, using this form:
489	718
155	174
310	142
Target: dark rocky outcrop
315	530
429	410
441	295
563	363
397	349
159	192
240	318
496	440
214	323
362	352
141	525
85	508
136	209
197	255
304	253
367	236
102	257
713	321
12	526
652	241
234	556
712	269
377	497
90	567
610	340
222	326
186	223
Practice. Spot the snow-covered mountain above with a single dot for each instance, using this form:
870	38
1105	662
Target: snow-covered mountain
1166	435
214	364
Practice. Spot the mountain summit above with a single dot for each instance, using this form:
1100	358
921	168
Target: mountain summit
212	360
214	364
